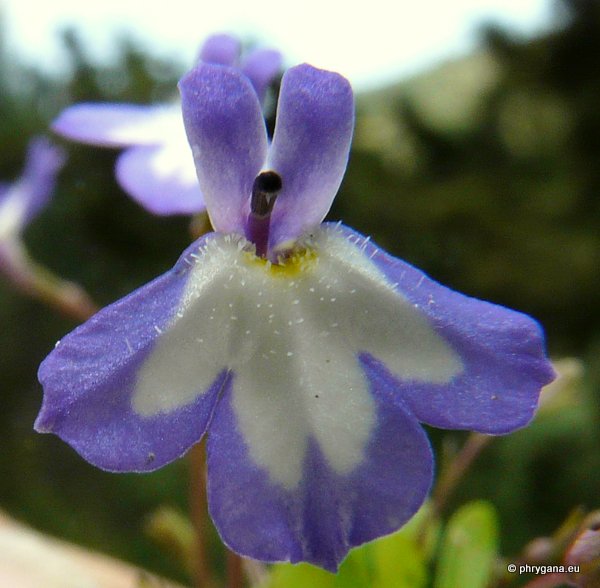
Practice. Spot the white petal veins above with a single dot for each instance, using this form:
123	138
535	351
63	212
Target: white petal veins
291	337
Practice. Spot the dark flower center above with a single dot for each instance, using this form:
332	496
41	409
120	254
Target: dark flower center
265	190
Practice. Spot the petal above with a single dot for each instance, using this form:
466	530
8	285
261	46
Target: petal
261	67
115	388
22	200
226	130
501	352
119	125
4	188
43	162
315	118
299	394
162	179
327	512
299	328
220	49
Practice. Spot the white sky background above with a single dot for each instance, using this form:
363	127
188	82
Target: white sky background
370	41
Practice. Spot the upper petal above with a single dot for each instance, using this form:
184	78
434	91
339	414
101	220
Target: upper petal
501	354
315	119
161	178
115	388
226	131
119	125
220	49
261	66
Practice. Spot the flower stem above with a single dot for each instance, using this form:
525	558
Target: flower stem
38	282
203	574
452	475
235	570
203	577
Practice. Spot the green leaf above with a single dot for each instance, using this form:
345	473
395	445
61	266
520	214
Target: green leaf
469	547
398	563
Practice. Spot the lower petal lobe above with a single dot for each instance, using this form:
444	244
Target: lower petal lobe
501	350
327	513
91	377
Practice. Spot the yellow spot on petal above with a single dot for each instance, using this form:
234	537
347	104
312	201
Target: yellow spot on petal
300	261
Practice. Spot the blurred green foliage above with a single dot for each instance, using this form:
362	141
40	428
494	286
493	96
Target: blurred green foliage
395	561
469	548
485	173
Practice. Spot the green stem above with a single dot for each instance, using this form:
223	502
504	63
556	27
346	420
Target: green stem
451	476
38	282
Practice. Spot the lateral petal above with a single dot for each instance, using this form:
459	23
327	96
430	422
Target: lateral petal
502	354
118	125
97	394
161	178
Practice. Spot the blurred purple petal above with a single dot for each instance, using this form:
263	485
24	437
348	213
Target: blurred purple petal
585	550
4	187
261	66
119	125
22	200
162	179
226	131
315	119
326	513
220	49
43	162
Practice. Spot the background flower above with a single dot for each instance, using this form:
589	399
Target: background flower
156	168
22	200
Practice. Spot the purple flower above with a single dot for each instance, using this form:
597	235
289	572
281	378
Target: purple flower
156	168
311	364
21	201
24	199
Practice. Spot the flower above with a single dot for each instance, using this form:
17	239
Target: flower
312	364
24	199
156	168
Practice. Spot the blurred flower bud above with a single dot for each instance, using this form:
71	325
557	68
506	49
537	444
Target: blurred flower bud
585	553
